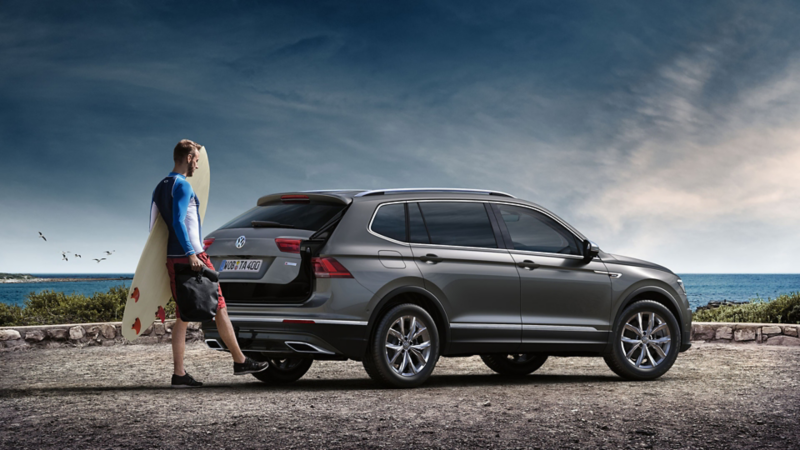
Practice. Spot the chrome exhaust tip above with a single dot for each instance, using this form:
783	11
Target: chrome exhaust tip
305	347
214	344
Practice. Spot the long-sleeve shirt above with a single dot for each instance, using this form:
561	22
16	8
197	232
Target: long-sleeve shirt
175	200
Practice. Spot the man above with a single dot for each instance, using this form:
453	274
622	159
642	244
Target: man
175	200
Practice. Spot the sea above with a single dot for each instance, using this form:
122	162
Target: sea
701	288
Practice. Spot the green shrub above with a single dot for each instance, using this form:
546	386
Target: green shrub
54	308
784	309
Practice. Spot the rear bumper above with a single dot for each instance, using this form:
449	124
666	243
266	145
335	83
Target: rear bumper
323	339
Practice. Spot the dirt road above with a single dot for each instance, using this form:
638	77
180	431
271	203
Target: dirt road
715	396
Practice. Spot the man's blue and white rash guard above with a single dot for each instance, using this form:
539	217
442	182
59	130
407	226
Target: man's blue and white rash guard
174	199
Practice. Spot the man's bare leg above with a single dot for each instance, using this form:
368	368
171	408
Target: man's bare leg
225	329
179	346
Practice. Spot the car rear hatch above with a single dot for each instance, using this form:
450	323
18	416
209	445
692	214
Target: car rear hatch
259	253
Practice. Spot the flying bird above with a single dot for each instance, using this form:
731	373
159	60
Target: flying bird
42	236
64	257
98	260
76	255
110	252
64	254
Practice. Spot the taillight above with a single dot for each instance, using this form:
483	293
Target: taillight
295	199
329	268
207	243
288	245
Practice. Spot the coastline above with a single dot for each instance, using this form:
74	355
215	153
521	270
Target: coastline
56	280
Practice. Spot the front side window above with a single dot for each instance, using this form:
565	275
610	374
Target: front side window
390	221
533	231
458	223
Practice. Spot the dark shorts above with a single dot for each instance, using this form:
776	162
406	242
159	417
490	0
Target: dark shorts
185	260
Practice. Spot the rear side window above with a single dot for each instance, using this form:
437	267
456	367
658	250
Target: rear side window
303	216
458	223
390	221
533	231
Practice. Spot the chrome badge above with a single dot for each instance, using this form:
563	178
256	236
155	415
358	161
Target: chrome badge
240	242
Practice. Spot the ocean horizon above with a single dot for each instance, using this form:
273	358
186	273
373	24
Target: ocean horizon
701	288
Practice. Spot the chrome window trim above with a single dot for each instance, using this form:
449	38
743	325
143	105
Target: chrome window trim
237	317
569	228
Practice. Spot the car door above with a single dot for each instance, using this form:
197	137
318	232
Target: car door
456	248
565	300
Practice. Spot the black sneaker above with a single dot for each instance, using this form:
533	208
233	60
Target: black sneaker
185	381
249	366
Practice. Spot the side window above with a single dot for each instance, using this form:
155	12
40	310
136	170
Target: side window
458	223
416	226
534	231
390	221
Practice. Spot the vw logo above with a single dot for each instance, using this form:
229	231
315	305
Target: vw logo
240	242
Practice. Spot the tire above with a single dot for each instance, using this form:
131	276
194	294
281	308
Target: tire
400	354
282	371
629	358
514	364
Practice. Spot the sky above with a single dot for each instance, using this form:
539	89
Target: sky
665	131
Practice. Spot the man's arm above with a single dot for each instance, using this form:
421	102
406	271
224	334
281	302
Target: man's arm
181	194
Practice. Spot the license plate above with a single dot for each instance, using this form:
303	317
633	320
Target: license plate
240	265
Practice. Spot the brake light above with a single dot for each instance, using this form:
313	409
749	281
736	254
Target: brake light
207	243
329	268
288	245
295	199
297	321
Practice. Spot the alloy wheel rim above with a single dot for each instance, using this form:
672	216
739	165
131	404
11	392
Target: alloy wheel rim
520	358
645	340
408	346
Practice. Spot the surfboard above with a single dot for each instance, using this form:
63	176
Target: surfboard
150	290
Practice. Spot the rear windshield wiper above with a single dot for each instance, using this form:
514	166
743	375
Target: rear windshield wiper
268	224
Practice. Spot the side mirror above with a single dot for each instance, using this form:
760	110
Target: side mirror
590	250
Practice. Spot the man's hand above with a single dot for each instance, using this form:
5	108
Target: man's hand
197	265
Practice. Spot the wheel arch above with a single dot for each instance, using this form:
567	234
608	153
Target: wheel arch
418	296
649	292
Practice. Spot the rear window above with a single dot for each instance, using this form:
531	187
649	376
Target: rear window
390	221
458	223
303	216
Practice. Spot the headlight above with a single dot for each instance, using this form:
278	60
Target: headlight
683	288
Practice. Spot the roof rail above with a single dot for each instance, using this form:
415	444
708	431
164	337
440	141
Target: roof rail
448	190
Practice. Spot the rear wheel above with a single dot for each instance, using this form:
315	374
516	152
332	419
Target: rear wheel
647	339
283	370
514	364
404	349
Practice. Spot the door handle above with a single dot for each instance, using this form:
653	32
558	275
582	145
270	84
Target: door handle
528	265
430	258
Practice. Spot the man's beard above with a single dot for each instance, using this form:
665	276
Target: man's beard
190	172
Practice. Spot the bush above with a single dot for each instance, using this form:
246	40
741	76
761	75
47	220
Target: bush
784	309
55	308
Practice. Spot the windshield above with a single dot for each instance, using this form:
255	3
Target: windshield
303	216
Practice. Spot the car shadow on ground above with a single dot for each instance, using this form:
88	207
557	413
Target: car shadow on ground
320	385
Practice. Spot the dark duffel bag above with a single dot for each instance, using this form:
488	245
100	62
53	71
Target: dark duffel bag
198	293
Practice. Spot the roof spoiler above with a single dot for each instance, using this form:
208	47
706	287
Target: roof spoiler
295	196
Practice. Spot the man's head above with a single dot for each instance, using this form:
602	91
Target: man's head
186	155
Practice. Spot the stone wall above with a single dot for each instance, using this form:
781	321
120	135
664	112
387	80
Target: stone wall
88	334
746	333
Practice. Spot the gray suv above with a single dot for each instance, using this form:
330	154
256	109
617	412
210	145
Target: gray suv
398	278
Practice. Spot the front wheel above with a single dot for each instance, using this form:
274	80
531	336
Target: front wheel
404	349
646	341
285	370
514	364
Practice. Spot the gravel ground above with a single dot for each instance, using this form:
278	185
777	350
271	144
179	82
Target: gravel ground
716	396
